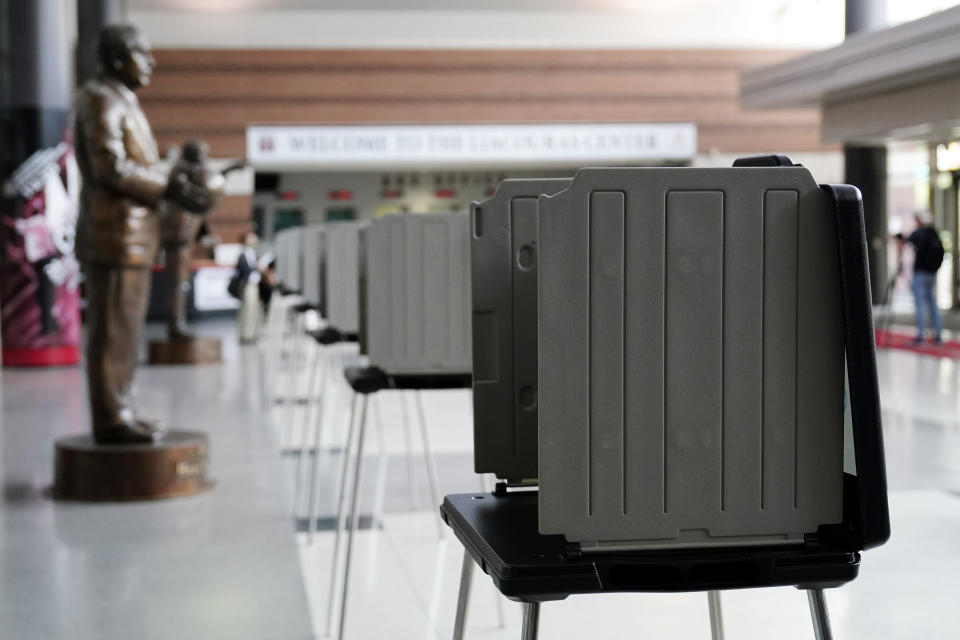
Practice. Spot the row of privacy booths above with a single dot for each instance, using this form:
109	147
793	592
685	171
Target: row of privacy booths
302	257
673	379
372	306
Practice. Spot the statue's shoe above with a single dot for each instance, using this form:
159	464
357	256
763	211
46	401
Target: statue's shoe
139	432
153	427
179	332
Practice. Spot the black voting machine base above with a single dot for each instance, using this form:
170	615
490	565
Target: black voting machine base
500	531
325	336
366	380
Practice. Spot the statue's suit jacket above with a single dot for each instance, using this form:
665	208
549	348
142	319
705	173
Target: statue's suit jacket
119	224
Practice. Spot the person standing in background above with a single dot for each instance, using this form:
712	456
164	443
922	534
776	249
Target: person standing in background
248	277
928	256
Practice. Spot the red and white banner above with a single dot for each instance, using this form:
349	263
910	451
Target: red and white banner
39	275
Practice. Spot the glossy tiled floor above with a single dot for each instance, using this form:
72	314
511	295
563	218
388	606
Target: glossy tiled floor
219	565
230	565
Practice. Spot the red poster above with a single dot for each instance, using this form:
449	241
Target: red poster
39	275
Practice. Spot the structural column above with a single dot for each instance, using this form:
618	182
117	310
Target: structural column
36	69
92	17
866	166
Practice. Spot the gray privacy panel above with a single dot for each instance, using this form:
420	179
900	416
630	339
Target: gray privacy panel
342	291
418	293
690	358
503	283
313	261
289	247
281	243
362	313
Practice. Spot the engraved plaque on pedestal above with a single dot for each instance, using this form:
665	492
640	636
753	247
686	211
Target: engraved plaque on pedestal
173	467
193	351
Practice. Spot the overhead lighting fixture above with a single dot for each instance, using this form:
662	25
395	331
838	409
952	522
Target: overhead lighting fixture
948	156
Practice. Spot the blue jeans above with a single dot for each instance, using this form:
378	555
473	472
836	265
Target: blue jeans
925	298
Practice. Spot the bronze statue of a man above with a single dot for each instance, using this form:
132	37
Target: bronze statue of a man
118	229
180	228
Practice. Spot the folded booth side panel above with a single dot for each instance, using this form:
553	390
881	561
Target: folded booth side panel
690	358
503	254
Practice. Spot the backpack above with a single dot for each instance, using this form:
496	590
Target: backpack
236	285
929	251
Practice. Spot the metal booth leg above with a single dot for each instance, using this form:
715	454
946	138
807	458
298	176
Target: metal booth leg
497	599
312	496
354	517
463	597
408	440
431	465
288	383
338	524
306	426
531	620
271	349
298	364
818	612
716	615
381	485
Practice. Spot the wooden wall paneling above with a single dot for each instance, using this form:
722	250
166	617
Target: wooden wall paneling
232	207
215	94
508	84
226	143
233	115
760	139
230	218
229	230
481	58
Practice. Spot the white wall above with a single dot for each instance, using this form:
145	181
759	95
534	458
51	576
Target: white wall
458	24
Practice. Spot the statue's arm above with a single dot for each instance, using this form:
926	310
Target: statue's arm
101	119
212	189
216	185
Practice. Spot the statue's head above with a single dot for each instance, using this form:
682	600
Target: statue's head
195	151
124	54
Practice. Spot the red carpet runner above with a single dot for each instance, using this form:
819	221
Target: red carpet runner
896	340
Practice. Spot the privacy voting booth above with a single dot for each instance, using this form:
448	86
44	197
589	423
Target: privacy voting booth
695	328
